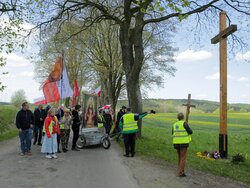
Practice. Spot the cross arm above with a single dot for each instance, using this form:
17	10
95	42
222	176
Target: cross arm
223	34
189	105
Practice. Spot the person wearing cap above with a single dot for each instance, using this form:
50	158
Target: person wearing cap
129	127
181	137
108	122
65	125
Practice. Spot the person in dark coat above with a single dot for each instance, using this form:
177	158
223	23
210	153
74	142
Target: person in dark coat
76	126
39	117
118	118
24	123
108	122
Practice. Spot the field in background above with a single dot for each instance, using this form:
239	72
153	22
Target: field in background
157	142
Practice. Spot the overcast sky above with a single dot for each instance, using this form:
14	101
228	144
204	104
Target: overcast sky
197	73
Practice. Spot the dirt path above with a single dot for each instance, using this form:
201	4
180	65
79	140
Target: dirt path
95	168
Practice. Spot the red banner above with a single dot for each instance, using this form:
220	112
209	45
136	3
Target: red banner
76	93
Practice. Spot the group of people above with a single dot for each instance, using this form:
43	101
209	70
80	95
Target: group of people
55	124
180	130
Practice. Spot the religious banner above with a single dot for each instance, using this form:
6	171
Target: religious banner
90	111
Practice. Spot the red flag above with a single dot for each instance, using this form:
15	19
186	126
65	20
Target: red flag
50	89
76	93
40	100
97	91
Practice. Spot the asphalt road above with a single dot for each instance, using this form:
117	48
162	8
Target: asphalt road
93	167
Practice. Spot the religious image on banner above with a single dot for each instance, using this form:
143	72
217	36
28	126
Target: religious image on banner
90	111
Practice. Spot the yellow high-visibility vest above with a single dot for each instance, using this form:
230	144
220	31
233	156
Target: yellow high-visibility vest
180	135
129	124
52	123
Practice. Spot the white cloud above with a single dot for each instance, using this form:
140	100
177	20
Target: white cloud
243	96
243	79
248	85
27	74
243	56
214	76
191	55
14	60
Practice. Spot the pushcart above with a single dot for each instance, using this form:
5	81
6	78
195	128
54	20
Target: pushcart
93	136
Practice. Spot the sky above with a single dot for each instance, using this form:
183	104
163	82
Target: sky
197	73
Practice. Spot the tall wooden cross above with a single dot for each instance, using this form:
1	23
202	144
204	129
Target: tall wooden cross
222	38
188	105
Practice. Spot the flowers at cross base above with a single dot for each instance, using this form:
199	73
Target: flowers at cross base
208	155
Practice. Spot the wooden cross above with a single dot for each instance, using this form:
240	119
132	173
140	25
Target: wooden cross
222	38
188	105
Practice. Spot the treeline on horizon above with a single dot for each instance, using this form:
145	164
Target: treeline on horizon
175	105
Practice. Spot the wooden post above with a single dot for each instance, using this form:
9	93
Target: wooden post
188	105
222	38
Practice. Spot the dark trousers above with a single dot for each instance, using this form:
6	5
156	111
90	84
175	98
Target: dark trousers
129	142
107	128
38	133
75	136
182	154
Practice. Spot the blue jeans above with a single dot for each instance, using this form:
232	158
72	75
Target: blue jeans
25	140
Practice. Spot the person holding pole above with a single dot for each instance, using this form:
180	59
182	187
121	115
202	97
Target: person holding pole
181	137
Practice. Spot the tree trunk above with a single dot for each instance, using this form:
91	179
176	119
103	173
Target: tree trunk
132	59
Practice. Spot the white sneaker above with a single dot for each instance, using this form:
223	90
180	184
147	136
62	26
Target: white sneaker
48	156
54	156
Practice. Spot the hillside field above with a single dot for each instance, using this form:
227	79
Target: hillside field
156	142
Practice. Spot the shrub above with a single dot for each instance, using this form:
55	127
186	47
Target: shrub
238	158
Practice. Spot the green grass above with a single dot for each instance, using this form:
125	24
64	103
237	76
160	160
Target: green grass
7	119
157	142
9	134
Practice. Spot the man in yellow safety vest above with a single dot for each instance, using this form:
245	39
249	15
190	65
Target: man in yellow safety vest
128	124
181	137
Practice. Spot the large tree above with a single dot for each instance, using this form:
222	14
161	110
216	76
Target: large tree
132	17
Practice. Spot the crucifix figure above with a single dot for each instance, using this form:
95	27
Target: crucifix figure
222	38
188	105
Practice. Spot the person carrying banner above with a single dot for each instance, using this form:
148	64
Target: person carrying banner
128	124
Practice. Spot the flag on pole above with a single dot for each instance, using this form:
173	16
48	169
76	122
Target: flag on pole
97	91
57	85
76	93
40	100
